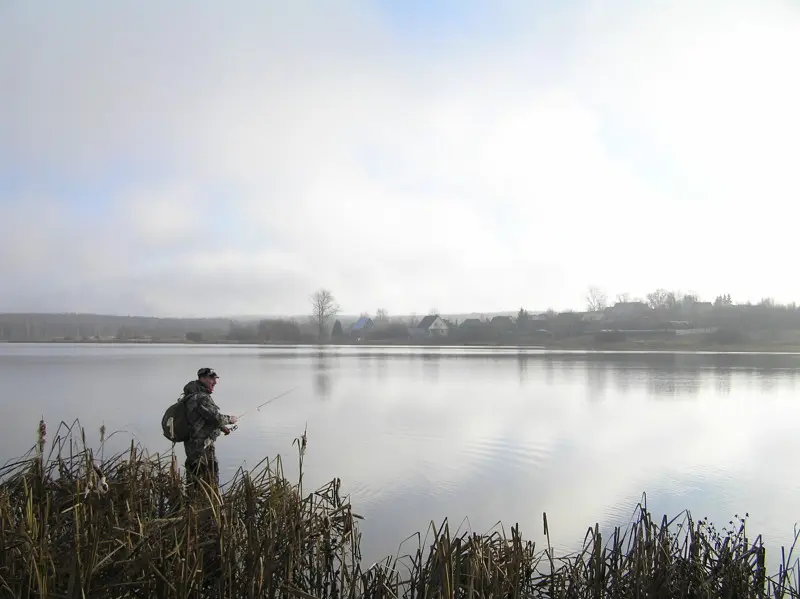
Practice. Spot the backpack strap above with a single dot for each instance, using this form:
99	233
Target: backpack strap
184	398
181	398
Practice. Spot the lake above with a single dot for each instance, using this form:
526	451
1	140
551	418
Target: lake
420	434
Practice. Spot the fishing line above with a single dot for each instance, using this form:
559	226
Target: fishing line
269	401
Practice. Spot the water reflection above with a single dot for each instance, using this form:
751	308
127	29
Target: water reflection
623	379
522	367
596	381
724	380
382	366
663	375
549	372
322	375
430	367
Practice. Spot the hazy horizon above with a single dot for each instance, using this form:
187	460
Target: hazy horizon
296	315
195	160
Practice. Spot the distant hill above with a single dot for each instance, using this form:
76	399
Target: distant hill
80	327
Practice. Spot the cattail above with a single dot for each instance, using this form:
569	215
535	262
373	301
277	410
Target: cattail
41	435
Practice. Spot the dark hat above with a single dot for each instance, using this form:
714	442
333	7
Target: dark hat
207	372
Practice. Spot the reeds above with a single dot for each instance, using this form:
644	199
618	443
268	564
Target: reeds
75	526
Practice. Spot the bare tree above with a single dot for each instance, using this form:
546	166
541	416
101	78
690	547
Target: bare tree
663	299
381	315
623	298
596	299
323	308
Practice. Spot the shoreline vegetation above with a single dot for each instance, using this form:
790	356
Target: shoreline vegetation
77	524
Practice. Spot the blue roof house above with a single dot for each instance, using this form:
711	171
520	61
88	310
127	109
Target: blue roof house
360	327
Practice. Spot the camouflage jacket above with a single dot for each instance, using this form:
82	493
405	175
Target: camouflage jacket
204	417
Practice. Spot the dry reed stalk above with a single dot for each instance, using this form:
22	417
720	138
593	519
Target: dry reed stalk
73	526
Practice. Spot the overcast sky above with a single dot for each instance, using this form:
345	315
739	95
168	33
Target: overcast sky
210	158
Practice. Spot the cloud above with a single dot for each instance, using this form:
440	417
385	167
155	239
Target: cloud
165	216
710	90
275	149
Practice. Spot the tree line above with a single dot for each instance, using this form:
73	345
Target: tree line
665	305
664	299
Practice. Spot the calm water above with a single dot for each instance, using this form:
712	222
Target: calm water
483	434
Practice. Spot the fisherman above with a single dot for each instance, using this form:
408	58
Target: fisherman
205	422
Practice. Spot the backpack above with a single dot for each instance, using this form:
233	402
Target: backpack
175	422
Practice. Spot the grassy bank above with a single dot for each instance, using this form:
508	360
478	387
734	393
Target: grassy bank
73	525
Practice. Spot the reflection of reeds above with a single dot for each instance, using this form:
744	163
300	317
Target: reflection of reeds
124	527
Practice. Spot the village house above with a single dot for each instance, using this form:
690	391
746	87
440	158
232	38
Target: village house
430	326
626	311
503	323
361	327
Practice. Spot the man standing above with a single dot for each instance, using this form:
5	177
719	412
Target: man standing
205	423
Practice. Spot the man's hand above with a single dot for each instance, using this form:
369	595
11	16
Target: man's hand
234	419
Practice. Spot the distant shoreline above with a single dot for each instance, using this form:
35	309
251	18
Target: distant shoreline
564	345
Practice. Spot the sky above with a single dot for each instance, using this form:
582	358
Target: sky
208	159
